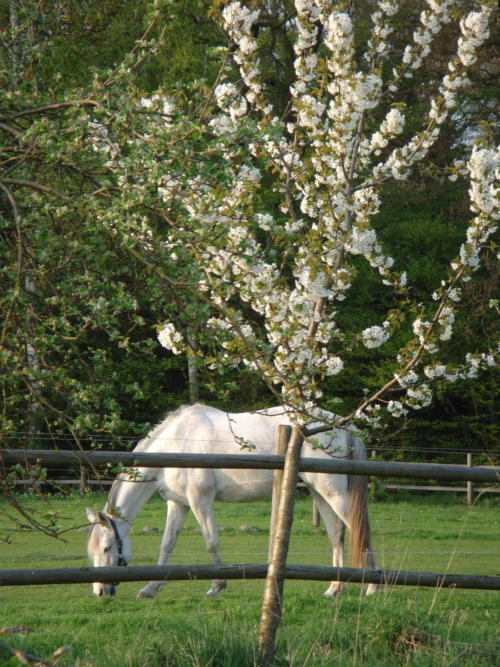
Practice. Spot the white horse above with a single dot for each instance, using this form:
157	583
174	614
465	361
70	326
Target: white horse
199	429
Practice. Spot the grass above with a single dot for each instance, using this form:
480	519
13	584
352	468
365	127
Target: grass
399	625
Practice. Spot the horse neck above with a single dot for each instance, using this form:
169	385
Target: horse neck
127	497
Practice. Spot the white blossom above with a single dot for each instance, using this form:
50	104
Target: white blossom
408	379
419	397
375	336
396	409
333	365
170	338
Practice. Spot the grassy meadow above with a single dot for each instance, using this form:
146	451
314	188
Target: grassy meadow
180	628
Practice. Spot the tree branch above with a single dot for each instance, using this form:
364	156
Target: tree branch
35	186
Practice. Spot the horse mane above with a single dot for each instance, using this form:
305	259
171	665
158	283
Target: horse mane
143	444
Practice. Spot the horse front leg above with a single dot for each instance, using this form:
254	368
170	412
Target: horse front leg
203	509
176	516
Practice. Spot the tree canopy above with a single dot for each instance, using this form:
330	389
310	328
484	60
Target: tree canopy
301	190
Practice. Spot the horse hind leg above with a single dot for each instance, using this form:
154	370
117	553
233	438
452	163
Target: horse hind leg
176	516
350	510
337	541
335	529
203	509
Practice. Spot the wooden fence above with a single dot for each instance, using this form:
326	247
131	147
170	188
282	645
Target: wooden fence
470	491
246	461
64	458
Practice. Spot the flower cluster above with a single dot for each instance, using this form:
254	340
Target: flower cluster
171	339
431	23
378	46
475	31
484	169
230	100
375	336
238	21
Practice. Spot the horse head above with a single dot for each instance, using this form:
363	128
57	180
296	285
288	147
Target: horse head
108	546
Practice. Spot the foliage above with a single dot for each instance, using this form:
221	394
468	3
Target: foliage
111	159
76	343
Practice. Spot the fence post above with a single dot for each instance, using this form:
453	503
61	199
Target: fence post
469	484
281	439
270	617
193	375
83	480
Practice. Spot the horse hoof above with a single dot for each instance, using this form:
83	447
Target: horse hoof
212	594
141	595
216	588
331	594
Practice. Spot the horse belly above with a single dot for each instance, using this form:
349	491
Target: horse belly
243	486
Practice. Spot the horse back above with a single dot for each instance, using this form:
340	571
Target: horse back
203	429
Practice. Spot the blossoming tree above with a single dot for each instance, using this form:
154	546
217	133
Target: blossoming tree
277	279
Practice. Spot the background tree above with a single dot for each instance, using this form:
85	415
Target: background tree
88	290
82	302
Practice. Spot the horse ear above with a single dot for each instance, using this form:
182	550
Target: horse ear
104	519
92	516
98	517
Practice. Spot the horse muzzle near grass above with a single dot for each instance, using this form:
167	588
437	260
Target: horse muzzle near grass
108	546
104	589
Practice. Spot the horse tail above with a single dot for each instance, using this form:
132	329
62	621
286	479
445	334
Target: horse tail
360	538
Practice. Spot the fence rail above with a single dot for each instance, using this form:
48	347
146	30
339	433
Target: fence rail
65	458
82	575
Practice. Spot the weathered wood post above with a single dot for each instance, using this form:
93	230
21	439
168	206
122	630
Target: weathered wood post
83	480
282	437
270	617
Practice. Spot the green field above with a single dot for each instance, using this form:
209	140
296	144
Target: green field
180	628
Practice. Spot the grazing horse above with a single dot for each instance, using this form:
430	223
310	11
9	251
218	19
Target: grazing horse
199	429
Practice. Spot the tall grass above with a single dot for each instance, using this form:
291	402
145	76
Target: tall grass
179	628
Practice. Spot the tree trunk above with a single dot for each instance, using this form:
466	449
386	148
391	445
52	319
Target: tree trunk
15	48
270	617
193	377
283	433
33	364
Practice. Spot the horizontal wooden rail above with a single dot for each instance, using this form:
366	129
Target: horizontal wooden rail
65	458
422	487
82	575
